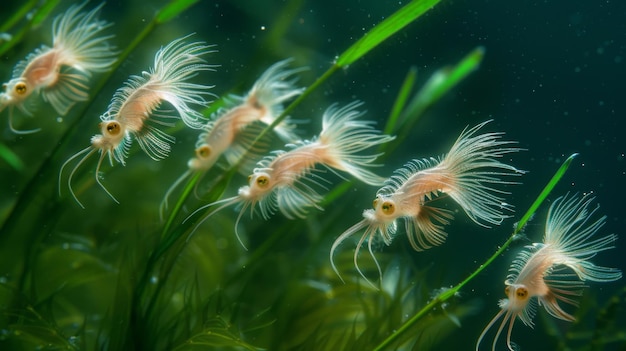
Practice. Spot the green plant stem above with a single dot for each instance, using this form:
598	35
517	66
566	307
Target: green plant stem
18	15
38	16
445	295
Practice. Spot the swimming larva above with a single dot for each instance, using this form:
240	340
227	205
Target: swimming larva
136	109
467	174
61	73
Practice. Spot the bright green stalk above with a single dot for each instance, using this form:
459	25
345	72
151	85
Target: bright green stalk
384	30
39	16
400	103
370	40
445	295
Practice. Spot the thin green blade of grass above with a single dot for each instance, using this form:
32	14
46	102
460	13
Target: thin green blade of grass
400	102
11	158
384	30
173	9
544	193
445	295
443	81
440	83
39	16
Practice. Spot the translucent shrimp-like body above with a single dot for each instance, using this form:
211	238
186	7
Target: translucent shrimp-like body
284	180
135	111
61	73
231	133
467	174
542	273
263	103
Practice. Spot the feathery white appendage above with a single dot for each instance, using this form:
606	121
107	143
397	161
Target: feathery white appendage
370	231
80	50
75	35
474	163
273	88
570	234
346	136
88	151
174	65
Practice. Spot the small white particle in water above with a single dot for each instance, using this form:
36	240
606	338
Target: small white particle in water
262	27
59	119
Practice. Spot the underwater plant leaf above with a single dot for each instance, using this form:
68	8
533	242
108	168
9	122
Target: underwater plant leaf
173	9
544	193
440	83
400	102
39	16
448	293
31	329
11	158
443	80
18	15
384	30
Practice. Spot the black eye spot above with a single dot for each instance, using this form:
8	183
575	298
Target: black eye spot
388	207
203	151
521	293
113	128
262	181
20	88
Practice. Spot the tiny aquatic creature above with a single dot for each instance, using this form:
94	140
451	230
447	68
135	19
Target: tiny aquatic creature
542	273
466	174
136	109
280	181
61	73
231	133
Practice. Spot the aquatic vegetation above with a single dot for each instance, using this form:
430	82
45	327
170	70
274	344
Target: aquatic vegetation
468	174
554	271
133	275
61	73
